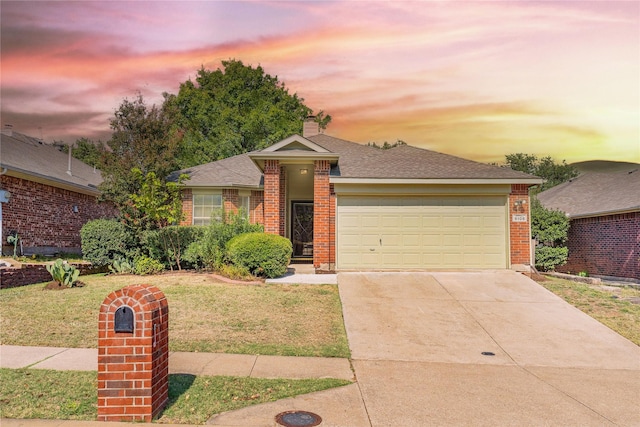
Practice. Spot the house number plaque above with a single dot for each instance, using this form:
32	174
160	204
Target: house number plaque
519	218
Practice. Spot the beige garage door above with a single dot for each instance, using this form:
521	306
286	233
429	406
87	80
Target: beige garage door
421	232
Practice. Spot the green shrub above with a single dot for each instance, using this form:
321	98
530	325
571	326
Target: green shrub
169	244
120	266
105	240
550	227
235	272
64	273
146	265
210	250
262	254
548	258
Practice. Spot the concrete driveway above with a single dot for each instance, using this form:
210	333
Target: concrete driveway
417	342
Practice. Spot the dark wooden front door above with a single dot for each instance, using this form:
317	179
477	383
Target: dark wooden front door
302	229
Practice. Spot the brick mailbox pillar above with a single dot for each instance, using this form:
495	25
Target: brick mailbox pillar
133	354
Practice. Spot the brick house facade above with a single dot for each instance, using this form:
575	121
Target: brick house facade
47	206
604	222
605	245
347	206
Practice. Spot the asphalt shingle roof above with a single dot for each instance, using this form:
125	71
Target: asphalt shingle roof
408	162
357	161
26	155
595	193
233	171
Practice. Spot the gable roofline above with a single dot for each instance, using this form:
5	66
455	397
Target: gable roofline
293	150
292	139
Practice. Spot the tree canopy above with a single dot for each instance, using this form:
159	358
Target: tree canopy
545	167
144	139
234	110
386	145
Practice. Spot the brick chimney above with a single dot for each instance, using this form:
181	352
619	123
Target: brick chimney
310	127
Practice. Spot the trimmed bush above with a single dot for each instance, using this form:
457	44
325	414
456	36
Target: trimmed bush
169	244
210	250
146	265
262	254
105	240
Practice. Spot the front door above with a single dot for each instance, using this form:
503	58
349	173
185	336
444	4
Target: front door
302	229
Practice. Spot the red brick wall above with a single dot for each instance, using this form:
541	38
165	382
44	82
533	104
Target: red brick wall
230	200
133	367
605	246
187	207
520	232
321	214
272	196
283	199
256	207
28	274
332	228
43	215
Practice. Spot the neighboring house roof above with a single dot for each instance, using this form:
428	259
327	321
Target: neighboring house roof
29	158
595	194
351	160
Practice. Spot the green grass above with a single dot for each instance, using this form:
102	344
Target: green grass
204	315
71	395
611	306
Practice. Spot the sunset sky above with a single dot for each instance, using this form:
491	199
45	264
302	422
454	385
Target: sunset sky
477	79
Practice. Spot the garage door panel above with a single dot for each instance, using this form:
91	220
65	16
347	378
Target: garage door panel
421	232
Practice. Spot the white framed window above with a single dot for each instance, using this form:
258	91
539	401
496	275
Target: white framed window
204	205
243	205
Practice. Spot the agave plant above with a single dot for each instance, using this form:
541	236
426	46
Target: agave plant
64	273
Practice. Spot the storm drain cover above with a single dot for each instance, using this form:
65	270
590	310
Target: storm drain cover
298	419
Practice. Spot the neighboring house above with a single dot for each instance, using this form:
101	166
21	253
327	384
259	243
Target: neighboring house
604	214
346	206
51	196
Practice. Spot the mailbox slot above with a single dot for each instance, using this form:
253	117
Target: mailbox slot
123	321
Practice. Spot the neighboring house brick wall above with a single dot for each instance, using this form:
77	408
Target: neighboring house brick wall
605	246
520	232
43	215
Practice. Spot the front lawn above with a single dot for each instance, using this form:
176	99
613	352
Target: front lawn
69	395
205	315
616	307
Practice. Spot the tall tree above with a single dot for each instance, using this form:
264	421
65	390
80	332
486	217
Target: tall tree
234	110
545	167
144	139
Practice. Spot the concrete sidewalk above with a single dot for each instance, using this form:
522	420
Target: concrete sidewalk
211	364
339	407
